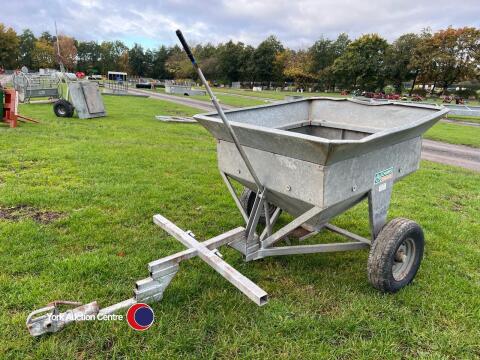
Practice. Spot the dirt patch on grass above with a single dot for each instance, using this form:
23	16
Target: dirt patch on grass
20	212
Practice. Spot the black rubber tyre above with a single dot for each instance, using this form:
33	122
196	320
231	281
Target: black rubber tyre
62	108
248	198
395	255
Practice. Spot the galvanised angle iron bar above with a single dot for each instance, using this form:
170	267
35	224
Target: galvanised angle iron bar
241	282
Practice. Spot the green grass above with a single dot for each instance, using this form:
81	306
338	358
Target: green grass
466	118
276	95
109	176
455	134
232	100
438	100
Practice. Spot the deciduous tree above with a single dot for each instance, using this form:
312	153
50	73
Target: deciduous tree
363	63
8	48
26	48
399	60
455	54
323	54
89	55
178	64
110	53
68	51
297	66
230	61
43	54
264	60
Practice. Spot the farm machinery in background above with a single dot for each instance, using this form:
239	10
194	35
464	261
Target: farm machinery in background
70	91
80	95
43	84
373	95
76	93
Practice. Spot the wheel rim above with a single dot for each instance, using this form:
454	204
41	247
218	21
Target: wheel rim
61	110
403	259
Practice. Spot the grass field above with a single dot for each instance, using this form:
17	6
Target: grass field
232	100
88	190
473	119
276	95
438	100
455	134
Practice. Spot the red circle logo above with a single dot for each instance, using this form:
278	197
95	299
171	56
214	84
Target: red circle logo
140	317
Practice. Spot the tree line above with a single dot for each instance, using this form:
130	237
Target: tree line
370	62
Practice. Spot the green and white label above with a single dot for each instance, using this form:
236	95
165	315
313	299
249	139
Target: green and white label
383	175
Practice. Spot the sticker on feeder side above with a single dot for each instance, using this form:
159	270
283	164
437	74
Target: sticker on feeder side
382	187
382	176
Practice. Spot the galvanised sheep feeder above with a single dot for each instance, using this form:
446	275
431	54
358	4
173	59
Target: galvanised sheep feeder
313	158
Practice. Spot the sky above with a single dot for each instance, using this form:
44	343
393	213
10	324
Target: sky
297	23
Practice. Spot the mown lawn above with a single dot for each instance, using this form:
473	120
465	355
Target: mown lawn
105	178
232	100
466	118
276	95
455	134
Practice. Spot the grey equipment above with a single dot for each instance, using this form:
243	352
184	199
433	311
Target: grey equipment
314	159
37	85
75	94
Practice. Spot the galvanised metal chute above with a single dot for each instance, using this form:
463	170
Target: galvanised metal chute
314	159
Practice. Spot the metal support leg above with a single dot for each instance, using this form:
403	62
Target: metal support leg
268	226
378	203
255	215
272	222
230	188
151	289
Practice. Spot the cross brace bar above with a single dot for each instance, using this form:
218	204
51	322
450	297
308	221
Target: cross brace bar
241	282
309	249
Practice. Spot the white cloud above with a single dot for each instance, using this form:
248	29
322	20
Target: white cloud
295	23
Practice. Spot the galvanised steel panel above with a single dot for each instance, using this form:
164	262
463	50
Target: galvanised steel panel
286	176
356	175
86	99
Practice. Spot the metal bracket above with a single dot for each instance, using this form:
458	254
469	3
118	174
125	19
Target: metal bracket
49	319
378	203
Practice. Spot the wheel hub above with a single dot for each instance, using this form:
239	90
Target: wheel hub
403	260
